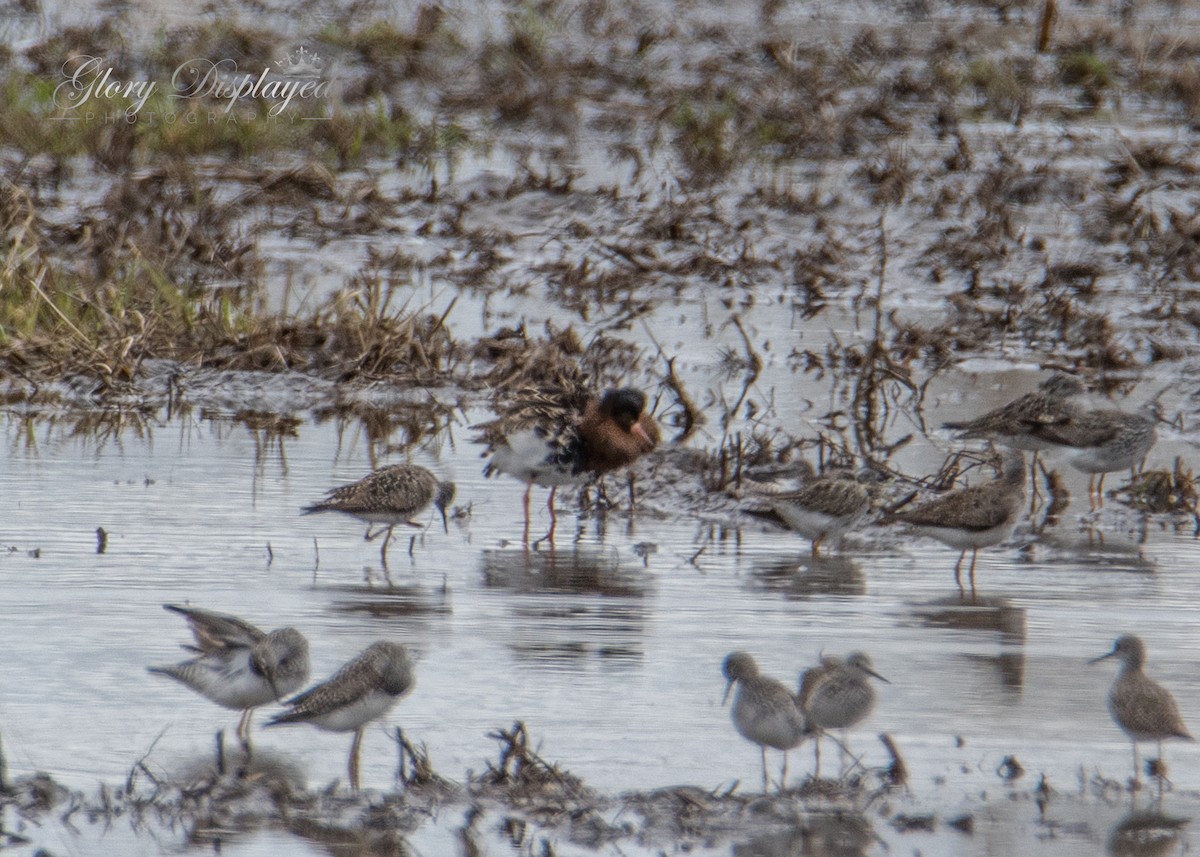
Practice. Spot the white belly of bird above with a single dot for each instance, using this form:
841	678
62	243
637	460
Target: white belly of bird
368	707
812	525
229	681
526	455
1097	459
968	539
763	727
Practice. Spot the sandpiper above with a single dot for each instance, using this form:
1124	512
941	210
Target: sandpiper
391	495
823	507
1102	441
1011	424
837	695
764	710
363	690
553	437
975	517
1140	705
238	666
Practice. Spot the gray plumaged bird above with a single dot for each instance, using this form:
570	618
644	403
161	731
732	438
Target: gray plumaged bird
764	710
363	690
390	496
238	666
837	694
822	508
1102	441
1142	707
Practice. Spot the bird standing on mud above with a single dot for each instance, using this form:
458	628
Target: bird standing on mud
764	710
238	666
363	690
1142	707
566	436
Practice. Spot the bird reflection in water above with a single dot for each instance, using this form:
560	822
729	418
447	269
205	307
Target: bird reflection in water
810	577
988	614
585	603
1146	833
820	835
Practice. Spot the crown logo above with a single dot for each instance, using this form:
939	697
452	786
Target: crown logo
301	63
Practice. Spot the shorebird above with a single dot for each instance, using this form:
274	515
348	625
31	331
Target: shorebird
764	710
975	517
391	495
238	666
1102	441
1011	424
1142	707
363	690
837	695
823	507
553	437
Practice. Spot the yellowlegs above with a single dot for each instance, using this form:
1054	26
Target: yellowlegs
837	695
1140	705
238	666
1102	441
363	690
1010	424
559	437
975	517
821	508
391	495
764	710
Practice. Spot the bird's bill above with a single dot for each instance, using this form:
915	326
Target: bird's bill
1103	657
641	433
871	672
728	687
445	520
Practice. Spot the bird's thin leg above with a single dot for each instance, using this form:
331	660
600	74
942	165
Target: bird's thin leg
1092	493
1035	496
632	493
958	571
816	547
971	573
354	748
817	757
553	516
1137	769
1100	491
525	505
384	547
783	773
243	730
766	781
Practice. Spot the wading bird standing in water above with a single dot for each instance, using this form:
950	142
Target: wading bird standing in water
391	495
565	436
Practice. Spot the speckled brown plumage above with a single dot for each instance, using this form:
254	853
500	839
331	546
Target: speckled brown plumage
1010	424
389	496
363	690
974	517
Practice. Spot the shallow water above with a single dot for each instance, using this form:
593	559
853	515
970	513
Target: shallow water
609	646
